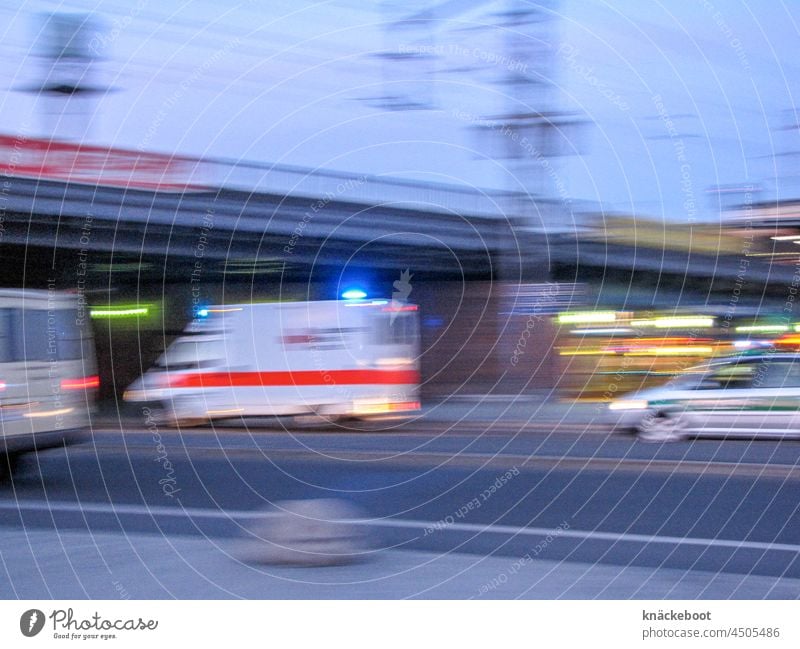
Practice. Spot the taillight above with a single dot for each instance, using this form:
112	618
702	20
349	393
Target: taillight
83	383
405	405
2	385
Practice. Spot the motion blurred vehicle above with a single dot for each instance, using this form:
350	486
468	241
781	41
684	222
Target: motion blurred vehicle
48	377
328	359
751	395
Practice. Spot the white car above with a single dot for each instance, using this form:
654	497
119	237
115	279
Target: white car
741	396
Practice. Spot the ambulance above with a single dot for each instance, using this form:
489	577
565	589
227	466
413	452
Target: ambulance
48	376
332	360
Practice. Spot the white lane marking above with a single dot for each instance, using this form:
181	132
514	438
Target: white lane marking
199	512
445	429
141	510
677	465
587	535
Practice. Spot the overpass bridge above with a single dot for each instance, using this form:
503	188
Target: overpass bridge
224	224
172	233
175	233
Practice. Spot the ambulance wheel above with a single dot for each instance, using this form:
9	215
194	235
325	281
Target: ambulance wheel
318	421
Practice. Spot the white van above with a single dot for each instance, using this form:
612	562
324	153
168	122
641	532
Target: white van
334	359
48	376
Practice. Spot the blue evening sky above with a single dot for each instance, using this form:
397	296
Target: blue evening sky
676	98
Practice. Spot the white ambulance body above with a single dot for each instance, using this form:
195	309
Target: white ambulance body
350	358
48	376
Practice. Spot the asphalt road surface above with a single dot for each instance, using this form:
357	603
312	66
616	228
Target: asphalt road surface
455	511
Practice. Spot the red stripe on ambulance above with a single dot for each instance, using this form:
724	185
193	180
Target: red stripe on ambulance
296	378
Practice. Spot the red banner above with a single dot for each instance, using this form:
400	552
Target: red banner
23	157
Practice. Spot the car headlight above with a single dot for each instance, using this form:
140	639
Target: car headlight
628	404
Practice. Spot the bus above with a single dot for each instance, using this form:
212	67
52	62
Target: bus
48	374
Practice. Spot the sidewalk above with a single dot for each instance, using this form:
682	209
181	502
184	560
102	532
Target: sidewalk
44	564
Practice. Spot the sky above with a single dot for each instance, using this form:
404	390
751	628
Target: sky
669	101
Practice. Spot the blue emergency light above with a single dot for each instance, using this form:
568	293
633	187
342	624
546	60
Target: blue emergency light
354	294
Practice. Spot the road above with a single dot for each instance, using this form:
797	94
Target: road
464	510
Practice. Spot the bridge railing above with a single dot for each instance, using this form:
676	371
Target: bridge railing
61	161
326	186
